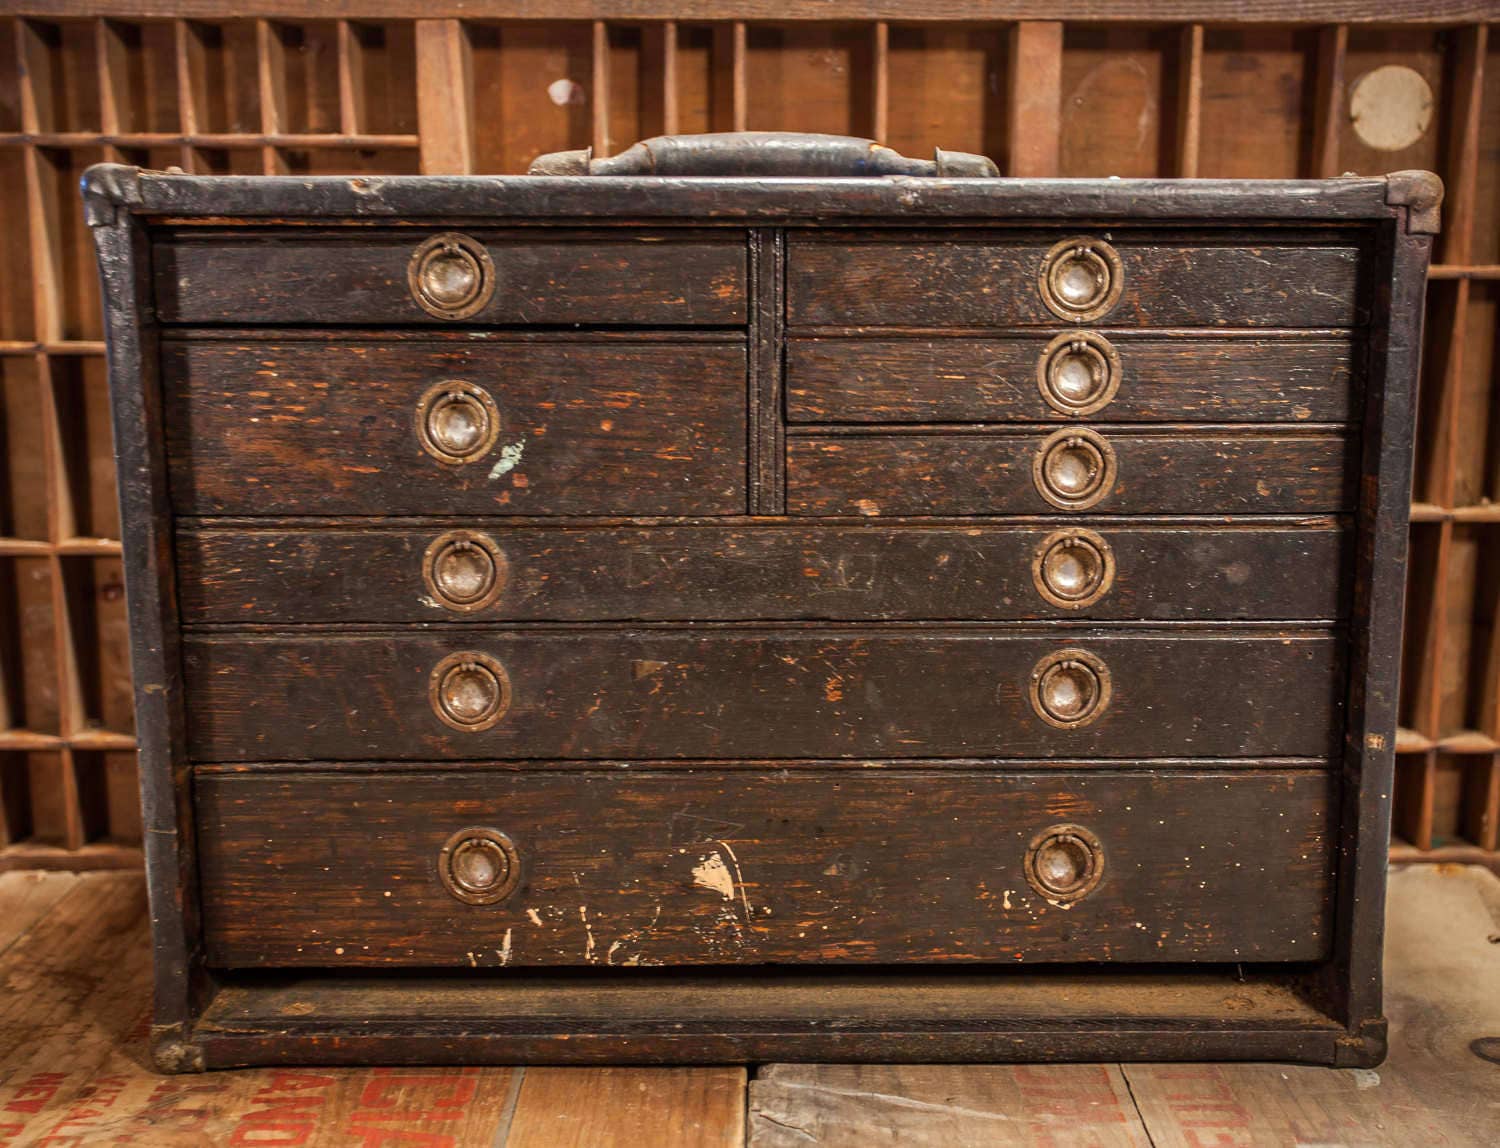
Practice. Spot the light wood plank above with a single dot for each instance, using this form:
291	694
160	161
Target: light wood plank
1035	106
629	1107
1442	994
26	898
443	98
1189	100
937	1105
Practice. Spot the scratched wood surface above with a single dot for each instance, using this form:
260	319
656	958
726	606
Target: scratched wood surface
74	1069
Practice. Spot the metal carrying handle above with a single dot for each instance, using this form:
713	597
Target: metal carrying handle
762	154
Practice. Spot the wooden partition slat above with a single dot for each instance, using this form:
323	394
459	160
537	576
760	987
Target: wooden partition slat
1104	88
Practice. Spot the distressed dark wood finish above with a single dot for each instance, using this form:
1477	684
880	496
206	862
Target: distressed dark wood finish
295	277
668	657
712	868
330	427
853	692
765	570
1187	377
1159	471
946	279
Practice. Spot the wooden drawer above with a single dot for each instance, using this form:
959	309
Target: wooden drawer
358	276
635	692
1118	470
995	280
715	867
334	425
489	570
1118	376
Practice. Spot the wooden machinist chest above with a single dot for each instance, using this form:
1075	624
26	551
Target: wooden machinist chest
652	611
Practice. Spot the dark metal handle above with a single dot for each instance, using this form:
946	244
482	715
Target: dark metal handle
762	154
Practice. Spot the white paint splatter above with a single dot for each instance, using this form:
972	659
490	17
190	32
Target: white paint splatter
1365	1077
564	92
536	918
712	873
510	458
503	952
588	932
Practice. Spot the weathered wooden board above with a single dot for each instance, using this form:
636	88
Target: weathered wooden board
714	867
1268	569
1156	472
939	1106
330	427
964	379
787	693
968	280
303	277
629	1108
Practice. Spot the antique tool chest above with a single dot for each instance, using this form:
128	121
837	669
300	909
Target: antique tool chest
691	606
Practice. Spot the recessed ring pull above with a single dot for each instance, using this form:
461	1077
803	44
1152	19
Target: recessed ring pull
451	276
457	422
1081	278
1064	863
1070	688
1073	568
469	691
1073	469
479	866
464	571
1078	373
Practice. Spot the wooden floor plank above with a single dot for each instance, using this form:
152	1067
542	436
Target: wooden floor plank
610	1107
1442	995
27	897
913	1106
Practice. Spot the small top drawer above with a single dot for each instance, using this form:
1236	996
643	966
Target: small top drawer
428	275
992	279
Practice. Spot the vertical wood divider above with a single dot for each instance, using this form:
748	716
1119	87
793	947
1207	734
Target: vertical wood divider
187	91
1463	144
110	63
599	100
1034	108
1189	100
352	112
1328	100
444	97
670	113
767	434
880	113
739	95
270	70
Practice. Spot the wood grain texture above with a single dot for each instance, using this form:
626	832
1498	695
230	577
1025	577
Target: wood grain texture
936	1106
300	278
856	692
1437	1087
1165	471
316	427
1186	378
729	868
629	1107
967	280
765	571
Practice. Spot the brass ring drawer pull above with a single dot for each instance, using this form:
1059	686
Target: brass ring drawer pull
1078	373
1081	278
451	276
1070	688
479	866
469	691
1064	863
1073	568
464	571
1073	469
457	422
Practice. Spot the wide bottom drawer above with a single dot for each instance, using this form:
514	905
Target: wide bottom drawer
477	867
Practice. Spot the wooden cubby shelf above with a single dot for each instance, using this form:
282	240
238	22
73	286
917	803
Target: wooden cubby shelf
209	91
